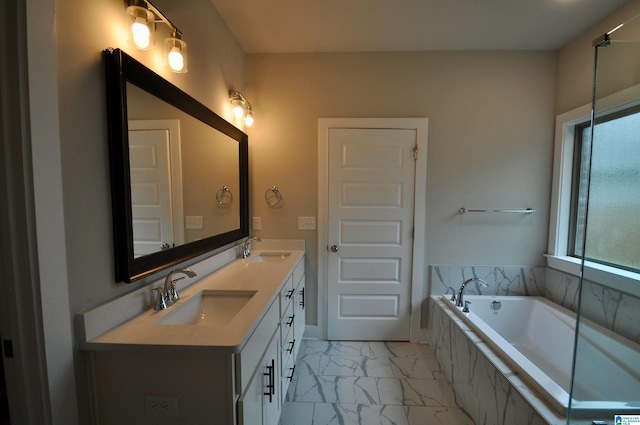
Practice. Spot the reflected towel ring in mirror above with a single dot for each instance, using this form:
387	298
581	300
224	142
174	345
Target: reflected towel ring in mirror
224	197
273	197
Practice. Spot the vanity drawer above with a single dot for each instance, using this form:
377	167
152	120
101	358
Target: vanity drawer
249	357
288	369
286	322
286	295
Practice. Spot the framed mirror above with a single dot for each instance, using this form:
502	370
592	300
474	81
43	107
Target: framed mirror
179	172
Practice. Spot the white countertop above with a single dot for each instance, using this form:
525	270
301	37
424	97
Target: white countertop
143	333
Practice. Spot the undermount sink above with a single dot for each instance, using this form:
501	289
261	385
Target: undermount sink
206	308
267	257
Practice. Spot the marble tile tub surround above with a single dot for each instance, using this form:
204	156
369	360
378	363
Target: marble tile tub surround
502	280
492	391
370	383
615	310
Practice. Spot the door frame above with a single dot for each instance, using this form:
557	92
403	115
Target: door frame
35	317
418	272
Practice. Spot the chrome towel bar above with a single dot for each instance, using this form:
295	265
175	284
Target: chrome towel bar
526	211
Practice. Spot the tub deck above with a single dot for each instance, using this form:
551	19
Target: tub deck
536	337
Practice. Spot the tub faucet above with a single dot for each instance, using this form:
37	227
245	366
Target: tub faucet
459	302
246	250
169	293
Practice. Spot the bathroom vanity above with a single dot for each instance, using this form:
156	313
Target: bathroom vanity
224	354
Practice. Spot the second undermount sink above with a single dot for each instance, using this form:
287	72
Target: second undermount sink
207	308
267	257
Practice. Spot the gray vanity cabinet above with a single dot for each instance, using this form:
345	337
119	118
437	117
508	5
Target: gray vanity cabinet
179	384
262	397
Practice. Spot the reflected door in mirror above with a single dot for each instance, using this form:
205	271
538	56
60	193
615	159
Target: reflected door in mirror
156	189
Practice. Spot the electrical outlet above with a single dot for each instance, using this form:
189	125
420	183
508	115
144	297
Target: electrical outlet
193	222
257	223
161	405
306	223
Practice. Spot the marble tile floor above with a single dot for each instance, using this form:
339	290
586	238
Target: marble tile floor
370	383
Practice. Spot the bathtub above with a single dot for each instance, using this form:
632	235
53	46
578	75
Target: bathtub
536	336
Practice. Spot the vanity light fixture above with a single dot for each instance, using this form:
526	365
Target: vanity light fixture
176	52
142	26
248	116
241	107
144	17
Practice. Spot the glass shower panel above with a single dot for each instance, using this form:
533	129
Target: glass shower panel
606	370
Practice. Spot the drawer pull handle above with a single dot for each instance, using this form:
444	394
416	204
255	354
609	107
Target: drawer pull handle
302	298
293	370
290	321
291	345
271	385
290	294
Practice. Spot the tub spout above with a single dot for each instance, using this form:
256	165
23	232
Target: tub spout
459	302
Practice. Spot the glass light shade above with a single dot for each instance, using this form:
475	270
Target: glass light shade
248	118
238	108
141	30
176	54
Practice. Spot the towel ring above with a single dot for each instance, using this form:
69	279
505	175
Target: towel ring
273	197
224	197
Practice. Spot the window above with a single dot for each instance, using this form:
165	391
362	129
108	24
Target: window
613	210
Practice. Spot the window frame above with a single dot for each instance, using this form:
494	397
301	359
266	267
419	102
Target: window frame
560	210
579	129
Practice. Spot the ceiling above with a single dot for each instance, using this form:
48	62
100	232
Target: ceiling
287	26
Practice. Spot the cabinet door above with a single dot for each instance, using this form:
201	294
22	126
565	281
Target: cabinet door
260	404
250	404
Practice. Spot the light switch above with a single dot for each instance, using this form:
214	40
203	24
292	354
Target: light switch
257	223
306	223
193	222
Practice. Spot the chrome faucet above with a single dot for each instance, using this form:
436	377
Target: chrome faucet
246	248
168	294
459	302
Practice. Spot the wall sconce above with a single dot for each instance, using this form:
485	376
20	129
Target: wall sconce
241	107
144	17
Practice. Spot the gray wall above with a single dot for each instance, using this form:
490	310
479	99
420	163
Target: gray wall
576	61
491	122
216	63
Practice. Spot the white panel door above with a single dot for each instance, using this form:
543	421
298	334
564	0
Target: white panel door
370	233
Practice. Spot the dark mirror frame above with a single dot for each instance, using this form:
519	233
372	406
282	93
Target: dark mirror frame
120	69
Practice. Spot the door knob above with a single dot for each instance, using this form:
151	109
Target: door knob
334	248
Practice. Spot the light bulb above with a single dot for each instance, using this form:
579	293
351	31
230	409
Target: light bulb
176	53
176	61
248	120
238	110
141	33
